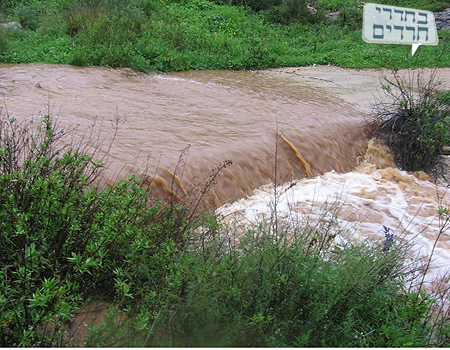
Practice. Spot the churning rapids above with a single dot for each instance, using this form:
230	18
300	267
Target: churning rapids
175	129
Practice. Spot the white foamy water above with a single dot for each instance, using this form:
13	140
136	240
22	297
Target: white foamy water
363	201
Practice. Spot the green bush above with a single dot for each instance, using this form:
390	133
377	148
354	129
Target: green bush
3	39
289	11
277	11
255	5
30	16
415	121
63	242
257	289
351	17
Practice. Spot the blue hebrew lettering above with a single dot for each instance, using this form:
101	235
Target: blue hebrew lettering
413	30
426	18
423	29
401	14
378	36
400	28
378	9
390	12
389	27
410	13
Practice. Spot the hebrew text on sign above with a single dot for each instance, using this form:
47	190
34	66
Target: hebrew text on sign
384	24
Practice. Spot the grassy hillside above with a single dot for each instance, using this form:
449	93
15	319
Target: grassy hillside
149	35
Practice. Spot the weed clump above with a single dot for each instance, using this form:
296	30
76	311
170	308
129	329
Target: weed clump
415	121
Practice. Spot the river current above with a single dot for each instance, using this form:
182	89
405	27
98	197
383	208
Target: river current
218	116
175	130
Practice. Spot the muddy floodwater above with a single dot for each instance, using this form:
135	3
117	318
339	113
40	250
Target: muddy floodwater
256	121
275	126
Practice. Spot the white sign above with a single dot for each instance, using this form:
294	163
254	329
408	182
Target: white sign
384	24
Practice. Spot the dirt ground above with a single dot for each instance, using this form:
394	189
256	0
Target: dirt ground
360	87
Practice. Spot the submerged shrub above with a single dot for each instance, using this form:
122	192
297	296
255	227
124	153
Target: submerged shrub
415	121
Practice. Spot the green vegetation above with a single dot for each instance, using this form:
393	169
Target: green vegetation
173	35
63	242
179	278
414	121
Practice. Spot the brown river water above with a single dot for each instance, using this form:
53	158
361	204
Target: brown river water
219	115
258	120
304	122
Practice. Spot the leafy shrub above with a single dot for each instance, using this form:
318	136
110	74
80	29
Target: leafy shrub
255	5
289	11
148	6
7	6
351	17
415	121
276	11
63	242
3	39
30	16
258	289
81	15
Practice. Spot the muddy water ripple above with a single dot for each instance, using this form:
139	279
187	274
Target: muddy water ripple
237	116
